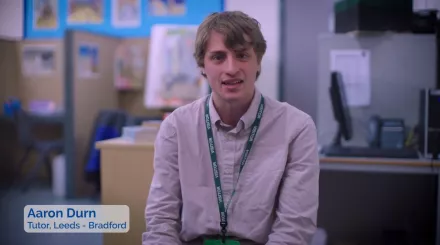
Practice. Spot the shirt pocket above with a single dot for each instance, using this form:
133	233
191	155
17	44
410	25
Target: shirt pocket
265	158
262	175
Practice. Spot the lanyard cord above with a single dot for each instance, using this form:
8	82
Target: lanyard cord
221	205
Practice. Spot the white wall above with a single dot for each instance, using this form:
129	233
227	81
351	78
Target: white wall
267	12
11	19
426	4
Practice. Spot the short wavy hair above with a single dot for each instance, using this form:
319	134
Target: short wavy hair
233	25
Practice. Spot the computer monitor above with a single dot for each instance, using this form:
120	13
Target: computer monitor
345	131
341	111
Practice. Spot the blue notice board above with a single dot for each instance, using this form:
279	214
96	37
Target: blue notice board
121	18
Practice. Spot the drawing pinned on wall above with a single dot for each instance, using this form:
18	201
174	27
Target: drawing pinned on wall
88	60
129	67
126	13
167	7
38	60
173	78
45	14
85	12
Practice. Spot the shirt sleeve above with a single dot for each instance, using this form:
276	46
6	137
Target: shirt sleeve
162	213
296	212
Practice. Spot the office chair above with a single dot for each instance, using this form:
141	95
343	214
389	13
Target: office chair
26	124
108	124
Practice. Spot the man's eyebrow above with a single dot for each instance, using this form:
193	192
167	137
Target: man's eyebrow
242	48
216	51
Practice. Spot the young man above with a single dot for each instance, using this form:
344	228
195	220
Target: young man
234	166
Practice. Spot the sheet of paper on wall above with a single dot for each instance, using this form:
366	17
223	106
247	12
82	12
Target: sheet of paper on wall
173	79
38	60
88	60
354	66
126	13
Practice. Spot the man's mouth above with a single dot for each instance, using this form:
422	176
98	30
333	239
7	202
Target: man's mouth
232	82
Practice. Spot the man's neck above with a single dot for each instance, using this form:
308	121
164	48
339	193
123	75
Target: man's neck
231	112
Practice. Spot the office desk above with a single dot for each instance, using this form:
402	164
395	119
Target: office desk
394	166
126	174
127	171
410	166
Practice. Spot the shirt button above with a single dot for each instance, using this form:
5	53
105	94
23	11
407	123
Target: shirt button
228	171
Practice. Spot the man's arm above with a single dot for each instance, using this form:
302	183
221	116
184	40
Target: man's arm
162	213
296	213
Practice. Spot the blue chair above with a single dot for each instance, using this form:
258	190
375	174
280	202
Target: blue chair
108	125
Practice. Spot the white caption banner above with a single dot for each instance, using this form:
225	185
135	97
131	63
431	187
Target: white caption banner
76	218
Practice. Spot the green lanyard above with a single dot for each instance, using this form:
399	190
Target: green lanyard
218	188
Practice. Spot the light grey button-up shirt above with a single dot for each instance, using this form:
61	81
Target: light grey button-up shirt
276	199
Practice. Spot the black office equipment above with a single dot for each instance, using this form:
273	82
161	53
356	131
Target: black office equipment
424	21
429	122
340	109
386	133
367	15
342	116
438	52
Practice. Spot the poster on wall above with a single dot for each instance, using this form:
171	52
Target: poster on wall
166	7
38	60
129	67
45	14
126	13
173	78
88	60
354	66
84	12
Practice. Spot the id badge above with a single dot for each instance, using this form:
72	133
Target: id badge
219	242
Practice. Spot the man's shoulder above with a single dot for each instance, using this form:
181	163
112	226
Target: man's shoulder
287	111
186	112
289	118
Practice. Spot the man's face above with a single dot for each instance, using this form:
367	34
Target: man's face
231	73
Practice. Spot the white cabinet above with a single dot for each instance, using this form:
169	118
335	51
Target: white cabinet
426	4
11	19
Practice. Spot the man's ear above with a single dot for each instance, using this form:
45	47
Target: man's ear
202	72
258	71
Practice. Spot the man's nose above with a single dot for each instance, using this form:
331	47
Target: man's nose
231	66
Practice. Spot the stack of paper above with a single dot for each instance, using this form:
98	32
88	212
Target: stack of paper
140	133
152	123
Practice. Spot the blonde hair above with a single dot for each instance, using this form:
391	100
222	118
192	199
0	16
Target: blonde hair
234	25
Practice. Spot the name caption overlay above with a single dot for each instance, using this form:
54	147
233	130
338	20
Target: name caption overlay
76	218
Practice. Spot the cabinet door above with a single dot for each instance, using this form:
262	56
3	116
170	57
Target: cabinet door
426	4
11	19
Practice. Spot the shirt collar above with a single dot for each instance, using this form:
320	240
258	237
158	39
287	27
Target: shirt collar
247	119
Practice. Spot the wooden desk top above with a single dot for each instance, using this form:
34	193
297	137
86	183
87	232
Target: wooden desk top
382	161
121	143
118	143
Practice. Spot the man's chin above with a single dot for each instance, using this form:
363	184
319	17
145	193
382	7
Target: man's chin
233	97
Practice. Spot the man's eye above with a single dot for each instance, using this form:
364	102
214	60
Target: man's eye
242	56
217	57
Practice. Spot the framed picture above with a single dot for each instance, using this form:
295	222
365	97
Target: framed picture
126	13
84	12
45	14
38	60
166	7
